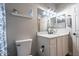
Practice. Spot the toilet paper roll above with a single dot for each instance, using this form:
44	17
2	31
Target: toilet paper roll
42	50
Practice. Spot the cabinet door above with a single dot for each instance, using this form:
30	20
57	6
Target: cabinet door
42	41
53	47
65	45
59	46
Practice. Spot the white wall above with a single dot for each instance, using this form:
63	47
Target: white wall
19	28
62	6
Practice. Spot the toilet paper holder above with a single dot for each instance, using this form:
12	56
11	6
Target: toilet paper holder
42	48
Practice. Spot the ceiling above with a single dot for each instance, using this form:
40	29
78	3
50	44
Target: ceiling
58	6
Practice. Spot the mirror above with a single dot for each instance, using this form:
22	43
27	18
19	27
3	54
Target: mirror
61	21
45	20
52	21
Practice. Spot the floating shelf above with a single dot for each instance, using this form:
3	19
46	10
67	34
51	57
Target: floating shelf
20	15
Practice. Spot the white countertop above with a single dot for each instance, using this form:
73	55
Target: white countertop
59	32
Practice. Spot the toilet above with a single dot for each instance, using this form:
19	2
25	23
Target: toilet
24	47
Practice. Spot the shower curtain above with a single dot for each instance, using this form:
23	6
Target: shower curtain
3	41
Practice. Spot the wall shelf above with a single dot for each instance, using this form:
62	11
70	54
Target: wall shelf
20	15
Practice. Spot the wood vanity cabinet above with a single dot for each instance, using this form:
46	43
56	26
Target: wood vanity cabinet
57	46
62	45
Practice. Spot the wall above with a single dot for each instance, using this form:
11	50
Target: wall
19	28
69	10
62	6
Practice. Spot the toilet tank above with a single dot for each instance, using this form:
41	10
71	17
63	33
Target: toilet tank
24	47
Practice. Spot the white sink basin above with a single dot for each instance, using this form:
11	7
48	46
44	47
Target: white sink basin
59	32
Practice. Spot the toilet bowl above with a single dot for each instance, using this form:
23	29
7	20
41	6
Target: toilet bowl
24	47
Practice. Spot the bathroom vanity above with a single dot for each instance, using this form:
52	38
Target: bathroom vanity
55	44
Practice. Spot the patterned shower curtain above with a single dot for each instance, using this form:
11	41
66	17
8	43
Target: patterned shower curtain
3	42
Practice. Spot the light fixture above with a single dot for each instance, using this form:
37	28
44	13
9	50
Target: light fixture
49	13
